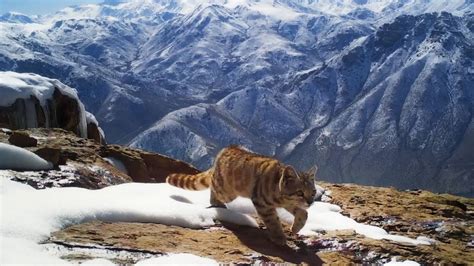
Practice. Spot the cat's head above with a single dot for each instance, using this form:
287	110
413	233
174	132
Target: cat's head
298	187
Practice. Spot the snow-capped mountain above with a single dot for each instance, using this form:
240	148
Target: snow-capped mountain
392	108
186	78
403	111
15	17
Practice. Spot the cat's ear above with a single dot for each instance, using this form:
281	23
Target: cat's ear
312	171
288	179
293	172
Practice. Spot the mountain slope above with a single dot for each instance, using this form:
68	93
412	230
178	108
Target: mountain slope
413	112
392	109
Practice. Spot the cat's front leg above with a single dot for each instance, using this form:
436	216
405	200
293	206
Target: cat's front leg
300	218
215	201
270	218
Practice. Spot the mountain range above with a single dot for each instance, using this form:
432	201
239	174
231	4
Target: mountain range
377	92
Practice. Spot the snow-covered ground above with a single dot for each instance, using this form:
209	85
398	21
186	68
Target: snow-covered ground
28	216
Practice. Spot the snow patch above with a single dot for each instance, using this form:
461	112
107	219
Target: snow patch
90	118
275	10
394	262
324	216
97	262
52	209
55	208
178	259
16	158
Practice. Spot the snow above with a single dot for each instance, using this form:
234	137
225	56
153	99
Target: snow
426	239
324	216
16	158
55	208
6	130
24	85
178	259
394	262
78	12
278	9
51	209
241	44
97	262
90	118
273	9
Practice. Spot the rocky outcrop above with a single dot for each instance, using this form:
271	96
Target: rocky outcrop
144	166
83	162
34	101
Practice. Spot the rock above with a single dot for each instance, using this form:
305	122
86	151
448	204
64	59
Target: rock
81	161
226	243
159	166
34	101
93	132
144	166
52	155
66	113
22	139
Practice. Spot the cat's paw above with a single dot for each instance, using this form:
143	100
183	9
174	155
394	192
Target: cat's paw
296	227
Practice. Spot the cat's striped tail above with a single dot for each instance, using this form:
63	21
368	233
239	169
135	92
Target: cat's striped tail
191	182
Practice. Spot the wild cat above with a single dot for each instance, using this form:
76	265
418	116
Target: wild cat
266	181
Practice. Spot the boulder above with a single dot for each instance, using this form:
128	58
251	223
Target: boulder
144	166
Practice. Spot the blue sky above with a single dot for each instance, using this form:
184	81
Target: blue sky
39	7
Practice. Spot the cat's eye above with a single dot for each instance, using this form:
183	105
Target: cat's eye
300	194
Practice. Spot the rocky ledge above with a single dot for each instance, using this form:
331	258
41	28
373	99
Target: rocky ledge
86	163
446	221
